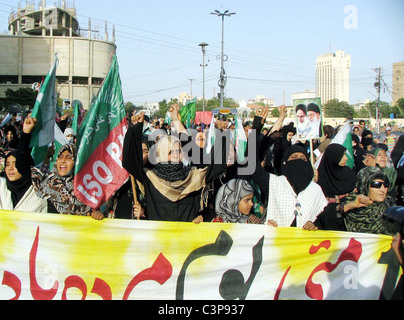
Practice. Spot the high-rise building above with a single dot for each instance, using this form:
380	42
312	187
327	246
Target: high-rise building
36	34
398	81
332	76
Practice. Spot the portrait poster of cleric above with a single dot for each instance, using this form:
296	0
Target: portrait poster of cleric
309	118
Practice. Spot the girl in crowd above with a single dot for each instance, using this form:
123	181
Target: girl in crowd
234	202
16	190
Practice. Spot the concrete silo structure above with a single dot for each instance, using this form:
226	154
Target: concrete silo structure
36	34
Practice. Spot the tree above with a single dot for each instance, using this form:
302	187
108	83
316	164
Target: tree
129	106
275	112
22	96
164	106
399	107
214	103
384	110
338	109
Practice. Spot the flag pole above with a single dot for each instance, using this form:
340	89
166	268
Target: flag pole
134	192
311	152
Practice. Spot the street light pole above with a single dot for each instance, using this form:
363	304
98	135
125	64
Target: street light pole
203	45
223	78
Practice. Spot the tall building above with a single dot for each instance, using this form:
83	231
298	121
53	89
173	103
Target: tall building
398	81
332	76
35	34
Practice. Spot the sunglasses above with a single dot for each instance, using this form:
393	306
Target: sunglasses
378	184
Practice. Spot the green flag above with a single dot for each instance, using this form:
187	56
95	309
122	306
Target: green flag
343	137
78	115
60	141
45	112
240	140
211	135
168	118
188	111
98	169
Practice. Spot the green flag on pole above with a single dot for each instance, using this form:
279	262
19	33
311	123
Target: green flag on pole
240	140
45	112
60	141
78	115
211	137
98	169
188	111
168	118
343	137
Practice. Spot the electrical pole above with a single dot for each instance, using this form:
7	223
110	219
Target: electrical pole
223	77
378	88
203	45
191	86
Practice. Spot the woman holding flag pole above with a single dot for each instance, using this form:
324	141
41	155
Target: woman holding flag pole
173	191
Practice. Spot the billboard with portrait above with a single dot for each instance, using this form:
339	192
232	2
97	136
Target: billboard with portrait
309	118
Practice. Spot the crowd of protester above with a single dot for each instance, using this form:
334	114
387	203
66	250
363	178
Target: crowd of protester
169	184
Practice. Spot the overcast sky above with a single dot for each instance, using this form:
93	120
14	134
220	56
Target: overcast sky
272	45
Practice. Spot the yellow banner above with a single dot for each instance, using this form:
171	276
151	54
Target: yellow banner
49	256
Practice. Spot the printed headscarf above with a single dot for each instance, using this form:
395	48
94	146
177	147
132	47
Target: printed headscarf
58	189
228	198
391	172
368	219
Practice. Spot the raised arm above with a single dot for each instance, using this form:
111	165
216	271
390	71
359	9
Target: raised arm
132	157
178	125
278	124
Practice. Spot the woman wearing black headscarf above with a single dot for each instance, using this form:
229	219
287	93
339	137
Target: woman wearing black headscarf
367	139
334	177
358	152
396	157
336	181
16	190
281	145
11	138
294	198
